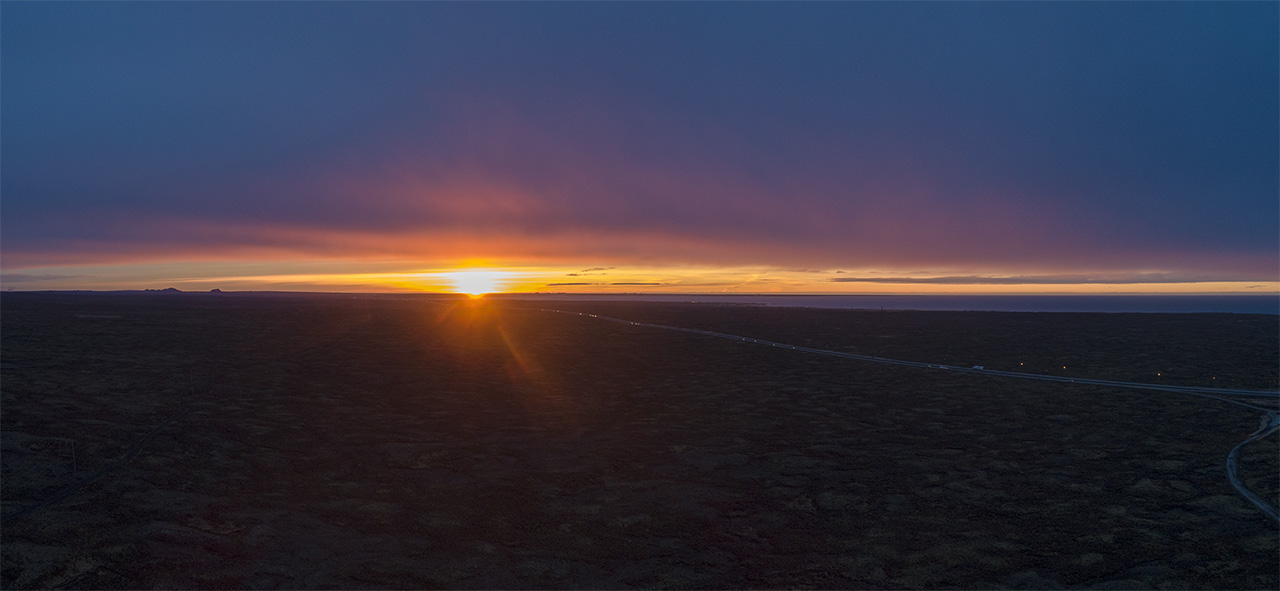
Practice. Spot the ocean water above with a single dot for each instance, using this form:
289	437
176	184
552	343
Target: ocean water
1180	304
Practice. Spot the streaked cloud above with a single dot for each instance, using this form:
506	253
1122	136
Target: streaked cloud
11	278
901	144
1156	278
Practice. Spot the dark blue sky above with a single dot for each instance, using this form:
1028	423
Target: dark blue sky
948	138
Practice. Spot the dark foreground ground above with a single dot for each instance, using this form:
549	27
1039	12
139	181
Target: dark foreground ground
339	442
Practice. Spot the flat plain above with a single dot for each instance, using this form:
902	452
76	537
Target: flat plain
338	441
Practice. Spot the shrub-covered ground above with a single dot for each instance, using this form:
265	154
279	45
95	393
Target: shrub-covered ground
398	442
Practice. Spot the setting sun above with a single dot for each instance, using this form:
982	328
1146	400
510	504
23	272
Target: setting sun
477	282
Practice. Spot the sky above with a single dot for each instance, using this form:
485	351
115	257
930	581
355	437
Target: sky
861	147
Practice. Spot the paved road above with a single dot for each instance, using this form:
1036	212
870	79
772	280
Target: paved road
937	366
1270	421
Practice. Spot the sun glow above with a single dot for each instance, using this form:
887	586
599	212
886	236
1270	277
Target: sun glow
476	283
477	277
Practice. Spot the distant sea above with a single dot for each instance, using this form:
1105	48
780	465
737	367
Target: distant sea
1179	304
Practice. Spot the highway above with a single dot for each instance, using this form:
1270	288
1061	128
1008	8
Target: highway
1270	420
1195	390
1270	423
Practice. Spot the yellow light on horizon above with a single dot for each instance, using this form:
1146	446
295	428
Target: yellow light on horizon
476	283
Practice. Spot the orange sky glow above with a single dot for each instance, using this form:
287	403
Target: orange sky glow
966	148
486	276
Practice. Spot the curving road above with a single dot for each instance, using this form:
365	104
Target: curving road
1270	421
